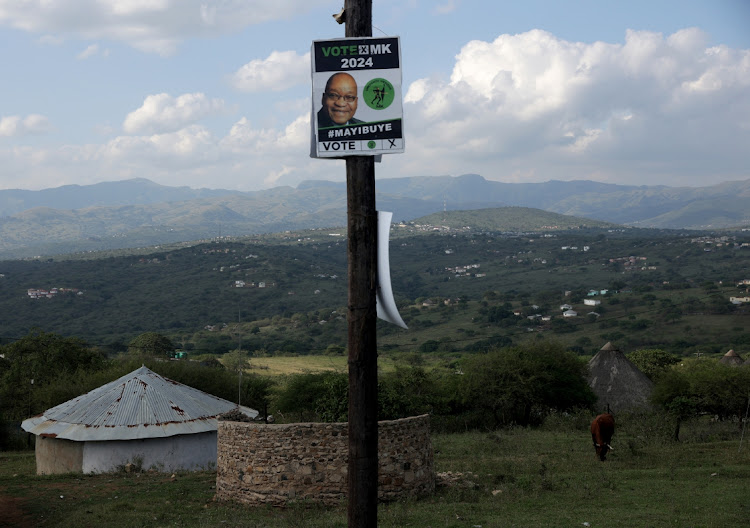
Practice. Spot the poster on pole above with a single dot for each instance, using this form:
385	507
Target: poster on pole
356	97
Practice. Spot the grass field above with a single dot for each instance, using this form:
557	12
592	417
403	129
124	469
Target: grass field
509	478
281	365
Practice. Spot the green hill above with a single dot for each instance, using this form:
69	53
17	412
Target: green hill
456	288
137	212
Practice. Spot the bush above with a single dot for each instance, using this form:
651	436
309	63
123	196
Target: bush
701	387
653	362
523	384
313	397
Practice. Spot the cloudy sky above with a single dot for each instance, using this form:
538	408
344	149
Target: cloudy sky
216	93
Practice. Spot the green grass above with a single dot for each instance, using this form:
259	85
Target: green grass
516	477
284	365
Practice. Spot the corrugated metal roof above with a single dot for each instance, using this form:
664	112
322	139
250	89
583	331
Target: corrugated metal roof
139	405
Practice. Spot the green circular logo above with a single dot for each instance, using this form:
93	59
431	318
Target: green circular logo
371	144
378	94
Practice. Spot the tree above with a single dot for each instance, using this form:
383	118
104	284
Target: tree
315	396
703	386
151	344
672	314
409	391
496	314
562	326
236	361
33	362
256	393
653	361
429	346
522	384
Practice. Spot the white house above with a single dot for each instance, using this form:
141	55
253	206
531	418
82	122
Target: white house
570	313
592	302
140	418
565	307
739	300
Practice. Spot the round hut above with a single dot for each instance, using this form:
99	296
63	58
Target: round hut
617	382
732	358
141	419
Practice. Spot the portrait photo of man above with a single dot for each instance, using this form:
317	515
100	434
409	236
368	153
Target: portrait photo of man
339	102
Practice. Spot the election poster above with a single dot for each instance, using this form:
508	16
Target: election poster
356	97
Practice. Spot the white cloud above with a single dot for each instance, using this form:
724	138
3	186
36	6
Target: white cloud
189	147
528	107
245	158
156	26
92	51
164	113
279	71
15	126
653	107
243	139
446	7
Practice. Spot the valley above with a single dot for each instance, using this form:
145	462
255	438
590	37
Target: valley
464	283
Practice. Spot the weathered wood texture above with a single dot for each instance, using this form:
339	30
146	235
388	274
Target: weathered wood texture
362	316
362	341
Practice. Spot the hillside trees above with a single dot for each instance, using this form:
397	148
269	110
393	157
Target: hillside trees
703	386
314	396
407	391
33	362
151	344
653	361
522	384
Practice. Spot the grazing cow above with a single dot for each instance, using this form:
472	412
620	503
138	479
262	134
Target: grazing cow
602	429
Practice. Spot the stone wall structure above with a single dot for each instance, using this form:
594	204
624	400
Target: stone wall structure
277	463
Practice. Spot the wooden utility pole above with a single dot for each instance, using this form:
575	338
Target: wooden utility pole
362	228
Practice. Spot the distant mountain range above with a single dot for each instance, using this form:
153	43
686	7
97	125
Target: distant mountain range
139	212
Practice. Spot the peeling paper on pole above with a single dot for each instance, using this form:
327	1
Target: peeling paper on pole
386	305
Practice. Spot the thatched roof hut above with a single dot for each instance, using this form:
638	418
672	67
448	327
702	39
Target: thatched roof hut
617	382
732	358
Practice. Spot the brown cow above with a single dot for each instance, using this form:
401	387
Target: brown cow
602	429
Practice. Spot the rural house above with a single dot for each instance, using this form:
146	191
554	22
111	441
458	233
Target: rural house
141	418
617	382
731	358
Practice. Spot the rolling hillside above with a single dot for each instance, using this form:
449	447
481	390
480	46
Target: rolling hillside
138	212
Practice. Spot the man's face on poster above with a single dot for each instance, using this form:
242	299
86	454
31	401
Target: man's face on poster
340	98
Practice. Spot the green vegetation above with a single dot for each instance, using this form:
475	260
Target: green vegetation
63	370
703	387
521	385
34	364
457	290
487	354
503	387
151	344
653	362
545	476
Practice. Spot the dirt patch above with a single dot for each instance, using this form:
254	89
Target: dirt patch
12	512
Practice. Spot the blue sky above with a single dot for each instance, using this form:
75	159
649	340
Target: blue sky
216	93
